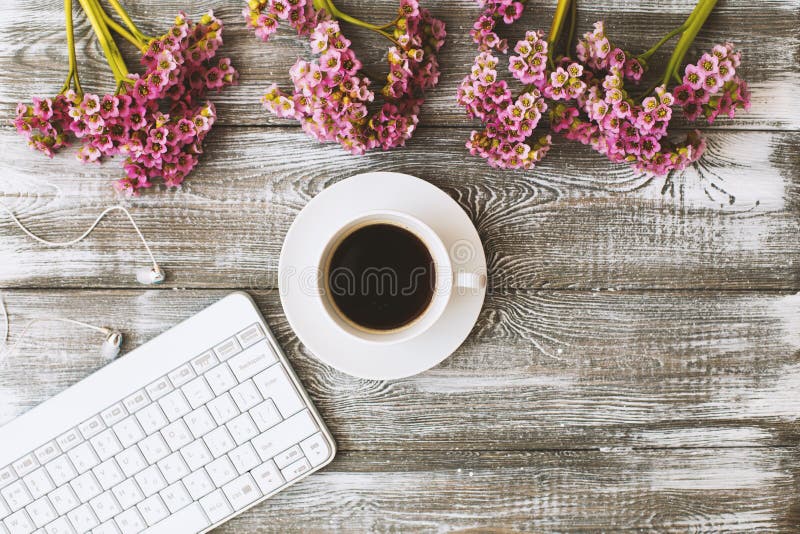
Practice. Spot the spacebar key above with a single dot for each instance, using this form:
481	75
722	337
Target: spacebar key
188	520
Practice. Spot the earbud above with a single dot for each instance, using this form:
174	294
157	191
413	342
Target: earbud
151	275
112	345
109	349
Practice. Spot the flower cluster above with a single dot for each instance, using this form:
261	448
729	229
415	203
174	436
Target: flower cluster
263	16
158	119
588	102
711	86
483	31
509	121
331	95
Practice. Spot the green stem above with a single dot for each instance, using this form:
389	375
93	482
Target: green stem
128	21
113	55
125	34
555	28
335	13
72	77
645	56
573	16
695	22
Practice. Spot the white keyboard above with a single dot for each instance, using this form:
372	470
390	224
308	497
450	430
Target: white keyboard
179	435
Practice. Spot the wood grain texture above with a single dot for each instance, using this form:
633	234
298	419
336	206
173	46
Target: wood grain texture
574	222
541	370
33	55
622	490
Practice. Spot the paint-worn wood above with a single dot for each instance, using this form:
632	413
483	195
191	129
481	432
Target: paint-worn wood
618	490
541	370
574	222
636	365
33	55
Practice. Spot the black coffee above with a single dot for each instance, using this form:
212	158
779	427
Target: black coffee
381	277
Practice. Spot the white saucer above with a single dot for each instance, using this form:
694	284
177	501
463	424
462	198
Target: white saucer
332	208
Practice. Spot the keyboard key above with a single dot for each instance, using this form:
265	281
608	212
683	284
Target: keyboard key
316	449
246	395
61	470
106	444
59	526
174	405
197	392
19	523
181	375
114	414
177	435
198	484
189	519
91	426
227	348
47	452
252	361
220	378
16	495
244	458
69	439
63	499
242	428
196	454
216	506
173	467
159	388
275	384
223	409
292	454
154	448
200	422
86	487
109	527
105	506
38	483
150	481
241	492
83	518
153	509
151	418
268	477
26	464
284	435
83	457
250	335
219	441
41	512
131	461
175	496
296	469
127	493
129	431
265	415
136	401
204	362
7	476
130	521
108	474
4	509
221	471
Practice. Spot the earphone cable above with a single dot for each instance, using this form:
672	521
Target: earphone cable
86	233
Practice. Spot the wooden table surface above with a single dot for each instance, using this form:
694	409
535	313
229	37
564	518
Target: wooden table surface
637	362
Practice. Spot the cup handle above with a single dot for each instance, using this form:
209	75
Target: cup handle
466	280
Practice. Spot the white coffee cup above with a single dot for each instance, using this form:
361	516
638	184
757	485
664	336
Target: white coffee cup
446	281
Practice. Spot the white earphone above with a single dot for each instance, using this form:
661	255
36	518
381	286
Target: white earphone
148	275
108	350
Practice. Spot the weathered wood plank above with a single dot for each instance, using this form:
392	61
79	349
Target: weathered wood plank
712	490
542	369
574	222
33	56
